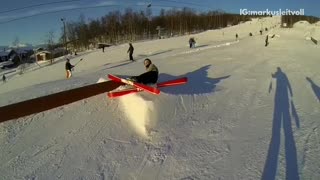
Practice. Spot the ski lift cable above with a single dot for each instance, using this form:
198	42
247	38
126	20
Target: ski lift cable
78	8
50	12
187	3
37	5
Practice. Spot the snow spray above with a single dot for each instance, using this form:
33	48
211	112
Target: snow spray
139	112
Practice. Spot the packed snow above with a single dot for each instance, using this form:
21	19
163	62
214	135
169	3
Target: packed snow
248	111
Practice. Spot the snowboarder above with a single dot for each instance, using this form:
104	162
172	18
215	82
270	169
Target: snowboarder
130	51
4	79
149	77
69	67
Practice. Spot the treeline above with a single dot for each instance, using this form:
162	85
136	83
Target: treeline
117	27
290	20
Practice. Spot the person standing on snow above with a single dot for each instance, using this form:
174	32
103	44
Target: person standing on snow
4	79
130	51
267	41
150	76
192	42
69	68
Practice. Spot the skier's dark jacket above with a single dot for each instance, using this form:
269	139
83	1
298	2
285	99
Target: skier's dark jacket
69	66
130	49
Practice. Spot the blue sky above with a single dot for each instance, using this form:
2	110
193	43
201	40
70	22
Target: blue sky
31	24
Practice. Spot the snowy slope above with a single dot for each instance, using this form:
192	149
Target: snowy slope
231	121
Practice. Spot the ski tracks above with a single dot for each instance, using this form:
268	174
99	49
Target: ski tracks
154	159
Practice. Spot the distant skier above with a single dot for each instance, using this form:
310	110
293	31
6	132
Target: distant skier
192	42
267	41
69	67
150	76
236	37
130	51
4	79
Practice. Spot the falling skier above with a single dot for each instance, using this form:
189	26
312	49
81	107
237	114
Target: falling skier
149	77
68	68
130	51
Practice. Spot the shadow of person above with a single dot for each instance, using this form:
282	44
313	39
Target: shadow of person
315	88
139	56
118	65
281	116
198	82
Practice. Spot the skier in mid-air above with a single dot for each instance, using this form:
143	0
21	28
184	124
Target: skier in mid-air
150	76
69	67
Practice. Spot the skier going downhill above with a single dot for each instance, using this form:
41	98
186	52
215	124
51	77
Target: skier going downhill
150	76
69	68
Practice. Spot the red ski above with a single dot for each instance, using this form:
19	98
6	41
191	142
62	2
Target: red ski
174	82
122	93
149	89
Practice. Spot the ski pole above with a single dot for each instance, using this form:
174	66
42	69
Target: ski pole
78	61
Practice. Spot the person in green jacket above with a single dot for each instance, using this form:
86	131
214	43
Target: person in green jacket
150	76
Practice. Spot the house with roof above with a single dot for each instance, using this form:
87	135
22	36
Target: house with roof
50	55
5	55
43	56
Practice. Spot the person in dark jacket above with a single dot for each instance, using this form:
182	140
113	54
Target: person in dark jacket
130	51
4	79
192	42
267	41
69	67
150	76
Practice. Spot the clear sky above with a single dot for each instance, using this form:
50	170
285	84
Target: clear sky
31	20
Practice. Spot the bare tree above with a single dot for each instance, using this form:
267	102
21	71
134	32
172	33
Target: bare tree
50	44
18	59
118	27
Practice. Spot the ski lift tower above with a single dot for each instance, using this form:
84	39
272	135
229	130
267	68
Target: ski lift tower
149	13
159	31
